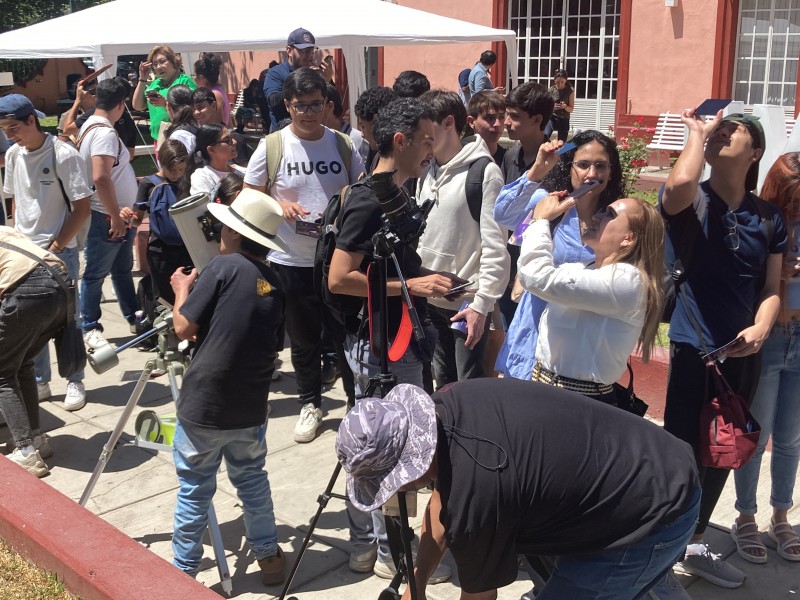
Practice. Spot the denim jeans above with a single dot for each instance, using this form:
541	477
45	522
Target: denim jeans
104	256
198	453
30	315
776	407
368	528
41	363
625	573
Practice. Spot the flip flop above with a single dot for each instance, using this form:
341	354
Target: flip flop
747	537
783	527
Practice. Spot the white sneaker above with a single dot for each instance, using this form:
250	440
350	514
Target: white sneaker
29	459
386	570
43	390
94	339
75	398
41	443
712	568
308	423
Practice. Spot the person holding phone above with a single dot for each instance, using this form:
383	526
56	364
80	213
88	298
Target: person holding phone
594	157
595	314
166	68
731	290
564	97
775	405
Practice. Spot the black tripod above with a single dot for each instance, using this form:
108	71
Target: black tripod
397	528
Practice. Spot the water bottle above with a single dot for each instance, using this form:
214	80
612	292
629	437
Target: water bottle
793	284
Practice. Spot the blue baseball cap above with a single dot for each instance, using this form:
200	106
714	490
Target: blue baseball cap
17	106
301	39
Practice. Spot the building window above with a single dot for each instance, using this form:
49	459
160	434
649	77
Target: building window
581	36
767	53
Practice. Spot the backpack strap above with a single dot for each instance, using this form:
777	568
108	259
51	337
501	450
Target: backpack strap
79	141
55	172
474	186
157	183
274	148
345	147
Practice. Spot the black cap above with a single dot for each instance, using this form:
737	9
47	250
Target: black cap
301	39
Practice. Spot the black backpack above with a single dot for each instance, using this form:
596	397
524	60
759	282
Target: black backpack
341	306
474	186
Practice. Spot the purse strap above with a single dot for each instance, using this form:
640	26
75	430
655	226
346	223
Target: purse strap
55	274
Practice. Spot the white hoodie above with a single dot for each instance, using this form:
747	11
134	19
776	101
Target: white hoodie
453	241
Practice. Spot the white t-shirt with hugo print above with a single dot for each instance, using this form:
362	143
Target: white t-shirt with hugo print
310	173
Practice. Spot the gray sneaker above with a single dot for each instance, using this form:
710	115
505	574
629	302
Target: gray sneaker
669	588
362	561
386	570
712	568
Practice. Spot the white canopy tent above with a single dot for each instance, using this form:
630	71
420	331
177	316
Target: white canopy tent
123	27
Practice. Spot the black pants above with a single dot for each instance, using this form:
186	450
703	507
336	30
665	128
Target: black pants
688	389
30	315
452	360
558	124
304	326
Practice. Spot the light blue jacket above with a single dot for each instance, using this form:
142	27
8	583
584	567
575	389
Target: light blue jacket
516	200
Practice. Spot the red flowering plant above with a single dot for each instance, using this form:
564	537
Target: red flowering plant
633	152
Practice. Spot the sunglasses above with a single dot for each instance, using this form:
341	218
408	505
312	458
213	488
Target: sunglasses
226	140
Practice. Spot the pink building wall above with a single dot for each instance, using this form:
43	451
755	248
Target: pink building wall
672	55
440	63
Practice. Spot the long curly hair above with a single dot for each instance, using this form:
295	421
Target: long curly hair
560	177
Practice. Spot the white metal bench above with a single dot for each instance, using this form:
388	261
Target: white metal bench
790	126
670	135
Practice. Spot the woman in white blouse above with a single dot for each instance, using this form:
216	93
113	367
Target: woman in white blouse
596	315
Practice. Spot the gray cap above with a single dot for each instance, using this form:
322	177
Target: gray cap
386	443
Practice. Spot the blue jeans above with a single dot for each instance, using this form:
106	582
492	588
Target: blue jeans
41	363
776	407
368	528
198	453
103	257
624	573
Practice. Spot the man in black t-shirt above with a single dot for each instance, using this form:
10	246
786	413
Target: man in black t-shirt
235	312
517	472
403	131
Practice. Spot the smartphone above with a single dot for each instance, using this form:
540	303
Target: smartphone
721	353
711	106
153	95
458	289
584	189
566	148
329	58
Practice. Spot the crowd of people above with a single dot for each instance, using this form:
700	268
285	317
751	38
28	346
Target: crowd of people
535	274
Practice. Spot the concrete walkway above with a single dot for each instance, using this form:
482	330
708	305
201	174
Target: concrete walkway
137	492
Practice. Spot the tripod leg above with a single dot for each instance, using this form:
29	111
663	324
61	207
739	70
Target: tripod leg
219	551
108	449
323	502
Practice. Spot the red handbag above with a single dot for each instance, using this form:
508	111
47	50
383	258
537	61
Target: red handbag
728	432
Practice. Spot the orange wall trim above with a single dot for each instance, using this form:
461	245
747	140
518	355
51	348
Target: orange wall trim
725	48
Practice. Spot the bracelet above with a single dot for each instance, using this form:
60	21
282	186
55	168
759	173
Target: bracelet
58	247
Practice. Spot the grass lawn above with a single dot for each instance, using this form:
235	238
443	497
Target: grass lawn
20	579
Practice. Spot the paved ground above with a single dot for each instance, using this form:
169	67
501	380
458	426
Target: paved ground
137	491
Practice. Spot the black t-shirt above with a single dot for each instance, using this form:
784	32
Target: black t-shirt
361	218
579	476
515	163
239	309
126	128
